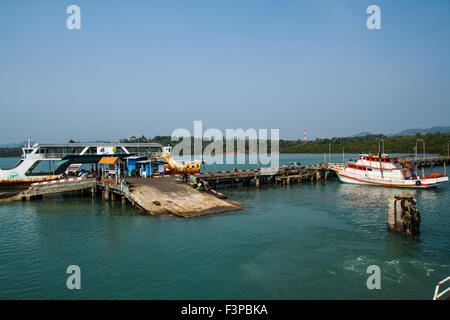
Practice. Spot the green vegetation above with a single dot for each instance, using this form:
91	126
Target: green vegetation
434	143
11	152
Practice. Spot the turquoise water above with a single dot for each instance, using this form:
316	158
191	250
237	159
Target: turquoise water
311	241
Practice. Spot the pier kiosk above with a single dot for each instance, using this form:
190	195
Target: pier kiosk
112	167
133	165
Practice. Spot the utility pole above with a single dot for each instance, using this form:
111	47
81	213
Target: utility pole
380	141
423	141
329	150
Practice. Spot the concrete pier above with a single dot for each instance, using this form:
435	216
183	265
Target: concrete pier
167	195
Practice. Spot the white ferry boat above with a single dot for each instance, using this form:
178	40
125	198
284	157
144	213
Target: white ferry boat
48	161
384	170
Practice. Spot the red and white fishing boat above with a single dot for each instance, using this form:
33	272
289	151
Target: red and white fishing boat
384	170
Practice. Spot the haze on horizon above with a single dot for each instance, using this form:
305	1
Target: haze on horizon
148	68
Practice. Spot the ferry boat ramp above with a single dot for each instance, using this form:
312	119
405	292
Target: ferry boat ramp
183	196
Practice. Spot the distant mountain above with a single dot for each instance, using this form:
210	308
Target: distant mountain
14	145
362	134
407	132
24	143
412	132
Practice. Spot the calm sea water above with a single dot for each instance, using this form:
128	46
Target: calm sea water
311	241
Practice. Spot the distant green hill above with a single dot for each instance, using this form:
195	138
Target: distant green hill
10	152
14	145
362	134
412	132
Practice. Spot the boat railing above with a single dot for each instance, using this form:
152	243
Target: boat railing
65	154
437	295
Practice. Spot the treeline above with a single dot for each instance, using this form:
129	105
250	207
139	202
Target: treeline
11	152
434	143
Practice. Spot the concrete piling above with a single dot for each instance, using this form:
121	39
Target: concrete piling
403	215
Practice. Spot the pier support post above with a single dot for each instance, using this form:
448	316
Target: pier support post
106	192
257	182
403	215
124	200
318	175
113	196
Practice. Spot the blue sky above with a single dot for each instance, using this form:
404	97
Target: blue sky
149	67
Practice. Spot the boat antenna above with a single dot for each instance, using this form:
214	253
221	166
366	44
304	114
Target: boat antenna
381	166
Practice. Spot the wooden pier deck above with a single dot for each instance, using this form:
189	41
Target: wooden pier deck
157	196
37	191
170	195
257	177
428	161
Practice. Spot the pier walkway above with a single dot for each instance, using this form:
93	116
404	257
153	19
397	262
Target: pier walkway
428	161
38	190
257	177
172	195
157	196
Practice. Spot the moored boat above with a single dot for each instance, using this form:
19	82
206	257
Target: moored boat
49	161
385	170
